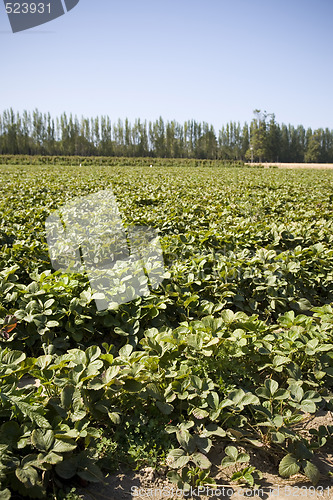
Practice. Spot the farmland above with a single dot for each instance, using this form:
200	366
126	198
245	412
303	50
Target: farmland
234	347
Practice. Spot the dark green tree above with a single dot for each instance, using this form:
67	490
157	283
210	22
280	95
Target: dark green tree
258	137
313	152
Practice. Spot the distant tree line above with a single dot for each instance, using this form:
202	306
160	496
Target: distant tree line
262	140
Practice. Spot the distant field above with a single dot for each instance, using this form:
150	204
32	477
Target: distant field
295	165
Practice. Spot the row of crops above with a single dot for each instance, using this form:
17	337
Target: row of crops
114	161
234	347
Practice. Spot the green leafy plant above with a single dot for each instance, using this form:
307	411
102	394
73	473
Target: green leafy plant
235	346
243	475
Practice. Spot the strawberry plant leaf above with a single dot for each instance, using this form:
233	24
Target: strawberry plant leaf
288	466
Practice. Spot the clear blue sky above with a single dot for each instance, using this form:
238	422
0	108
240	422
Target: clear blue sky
211	60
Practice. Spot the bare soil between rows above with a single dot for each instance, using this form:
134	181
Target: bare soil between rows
148	483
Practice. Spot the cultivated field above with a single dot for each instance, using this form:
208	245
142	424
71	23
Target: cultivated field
221	375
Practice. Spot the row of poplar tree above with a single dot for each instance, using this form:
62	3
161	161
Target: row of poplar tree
262	140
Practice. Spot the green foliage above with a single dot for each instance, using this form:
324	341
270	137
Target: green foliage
234	346
234	457
247	476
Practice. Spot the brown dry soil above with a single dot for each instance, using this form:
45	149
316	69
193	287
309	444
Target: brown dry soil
294	165
150	484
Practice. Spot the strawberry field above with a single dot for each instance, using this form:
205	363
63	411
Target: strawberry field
235	346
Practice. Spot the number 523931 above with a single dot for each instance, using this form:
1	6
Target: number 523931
28	8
